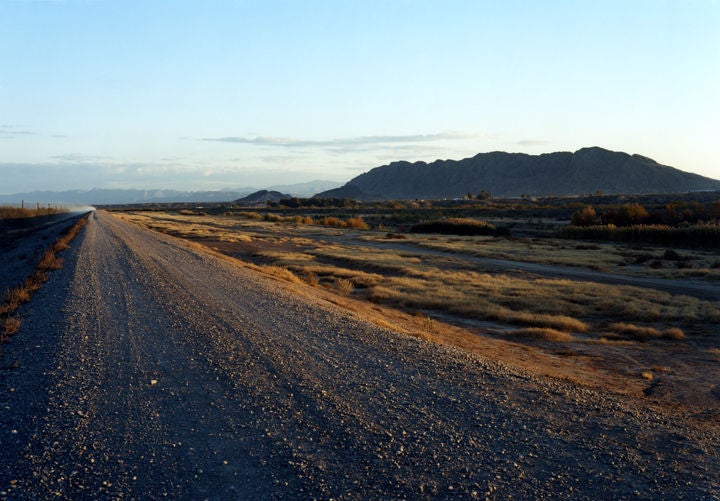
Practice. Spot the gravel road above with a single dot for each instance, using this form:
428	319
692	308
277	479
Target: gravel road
146	368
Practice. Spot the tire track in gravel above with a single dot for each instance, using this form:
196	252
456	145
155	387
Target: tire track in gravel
179	374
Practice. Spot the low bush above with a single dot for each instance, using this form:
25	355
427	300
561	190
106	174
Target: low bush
354	222
247	215
458	226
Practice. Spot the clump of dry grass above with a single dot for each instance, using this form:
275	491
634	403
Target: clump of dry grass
247	215
357	223
50	261
303	220
432	326
280	272
344	286
640	333
13	298
354	222
311	278
10	327
543	334
673	333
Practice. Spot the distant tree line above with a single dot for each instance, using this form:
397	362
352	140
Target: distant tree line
677	223
672	214
297	202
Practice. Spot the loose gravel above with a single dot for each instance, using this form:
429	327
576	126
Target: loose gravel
146	368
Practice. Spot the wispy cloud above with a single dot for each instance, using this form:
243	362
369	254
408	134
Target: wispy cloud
8	131
78	158
12	131
348	143
531	142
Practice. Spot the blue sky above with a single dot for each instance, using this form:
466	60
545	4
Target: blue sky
227	94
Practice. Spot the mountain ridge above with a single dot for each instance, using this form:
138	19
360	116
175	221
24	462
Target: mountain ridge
587	170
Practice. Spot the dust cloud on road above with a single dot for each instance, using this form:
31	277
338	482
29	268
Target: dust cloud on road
146	368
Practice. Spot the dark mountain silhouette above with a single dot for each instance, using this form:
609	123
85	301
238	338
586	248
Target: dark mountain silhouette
262	196
588	170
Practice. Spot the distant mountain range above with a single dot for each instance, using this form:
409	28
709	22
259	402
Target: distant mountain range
99	196
588	170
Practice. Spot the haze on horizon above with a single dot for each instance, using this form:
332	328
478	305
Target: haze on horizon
219	95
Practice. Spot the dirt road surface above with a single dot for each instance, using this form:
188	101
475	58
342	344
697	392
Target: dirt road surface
146	368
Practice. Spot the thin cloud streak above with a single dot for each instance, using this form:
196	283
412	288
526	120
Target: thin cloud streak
531	142
10	131
341	144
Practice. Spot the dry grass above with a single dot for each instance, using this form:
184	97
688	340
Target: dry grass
311	278
608	257
543	334
13	298
448	283
344	286
433	327
281	272
50	261
641	333
10	327
7	212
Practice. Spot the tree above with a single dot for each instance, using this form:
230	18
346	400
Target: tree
626	215
584	217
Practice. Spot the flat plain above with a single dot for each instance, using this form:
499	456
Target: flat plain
602	314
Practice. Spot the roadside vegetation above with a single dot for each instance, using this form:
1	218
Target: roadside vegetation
15	297
7	212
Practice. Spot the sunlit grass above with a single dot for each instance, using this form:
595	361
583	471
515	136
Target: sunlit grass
451	284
